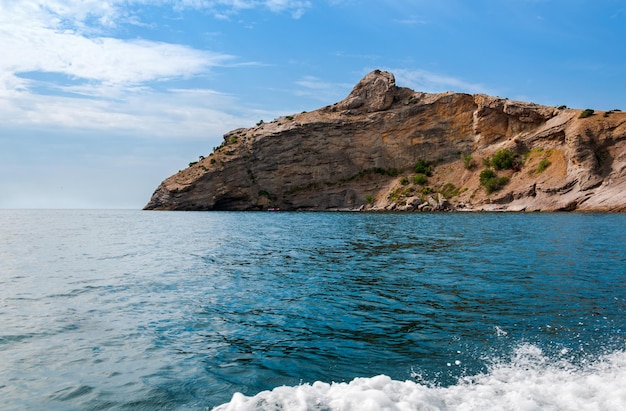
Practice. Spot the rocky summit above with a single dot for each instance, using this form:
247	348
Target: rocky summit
389	148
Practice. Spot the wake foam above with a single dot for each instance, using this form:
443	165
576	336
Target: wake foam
528	381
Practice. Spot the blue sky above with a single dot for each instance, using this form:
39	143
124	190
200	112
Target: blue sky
100	100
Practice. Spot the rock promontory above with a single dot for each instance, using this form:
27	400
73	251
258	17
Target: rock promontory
386	147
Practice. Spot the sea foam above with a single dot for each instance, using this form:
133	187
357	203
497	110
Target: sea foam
528	381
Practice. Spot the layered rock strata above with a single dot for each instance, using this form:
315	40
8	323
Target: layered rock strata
386	147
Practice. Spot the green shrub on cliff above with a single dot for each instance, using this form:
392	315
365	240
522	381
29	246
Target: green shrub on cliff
543	164
420	179
449	190
588	112
424	167
400	194
503	159
491	181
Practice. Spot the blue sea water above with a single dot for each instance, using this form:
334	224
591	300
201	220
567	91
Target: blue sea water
132	310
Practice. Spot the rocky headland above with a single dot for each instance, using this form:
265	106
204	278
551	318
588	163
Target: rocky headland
389	148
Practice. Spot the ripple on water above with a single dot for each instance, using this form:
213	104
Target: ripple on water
131	310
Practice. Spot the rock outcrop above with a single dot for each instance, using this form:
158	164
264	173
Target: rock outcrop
390	148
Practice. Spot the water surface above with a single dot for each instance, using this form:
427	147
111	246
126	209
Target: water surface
162	310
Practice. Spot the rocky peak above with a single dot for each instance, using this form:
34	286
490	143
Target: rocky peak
375	92
390	148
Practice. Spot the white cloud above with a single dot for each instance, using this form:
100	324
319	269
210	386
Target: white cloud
63	67
38	39
224	8
297	8
105	60
75	15
174	114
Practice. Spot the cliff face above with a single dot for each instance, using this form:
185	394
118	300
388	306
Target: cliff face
390	148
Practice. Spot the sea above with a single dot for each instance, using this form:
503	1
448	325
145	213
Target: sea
151	310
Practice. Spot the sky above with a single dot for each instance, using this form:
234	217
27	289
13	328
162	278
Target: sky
101	100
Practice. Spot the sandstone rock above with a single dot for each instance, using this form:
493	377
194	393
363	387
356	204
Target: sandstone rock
375	92
414	201
366	147
423	206
433	203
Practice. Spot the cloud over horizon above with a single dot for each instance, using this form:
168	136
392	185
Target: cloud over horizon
65	58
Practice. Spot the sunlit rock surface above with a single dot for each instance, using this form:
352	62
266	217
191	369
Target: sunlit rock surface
361	154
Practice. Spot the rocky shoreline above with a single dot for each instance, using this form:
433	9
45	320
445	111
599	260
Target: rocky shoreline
388	148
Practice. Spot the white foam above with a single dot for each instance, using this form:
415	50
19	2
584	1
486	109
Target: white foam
528	381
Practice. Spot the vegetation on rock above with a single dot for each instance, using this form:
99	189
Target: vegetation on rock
543	164
490	180
586	113
420	179
424	167
371	149
503	159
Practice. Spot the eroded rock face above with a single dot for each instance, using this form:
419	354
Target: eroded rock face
360	154
375	92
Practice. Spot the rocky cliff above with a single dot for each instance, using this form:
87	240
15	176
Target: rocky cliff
391	148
